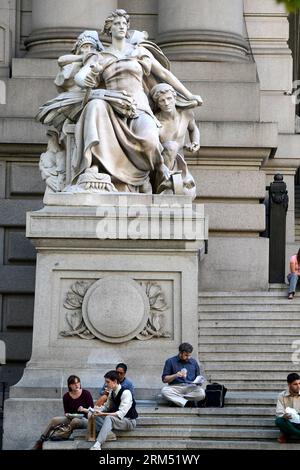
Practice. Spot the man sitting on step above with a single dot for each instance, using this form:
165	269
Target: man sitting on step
182	374
288	409
126	383
118	412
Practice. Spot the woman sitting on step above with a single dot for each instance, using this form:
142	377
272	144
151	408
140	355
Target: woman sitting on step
73	400
294	274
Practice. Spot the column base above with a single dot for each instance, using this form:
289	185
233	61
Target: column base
205	46
50	43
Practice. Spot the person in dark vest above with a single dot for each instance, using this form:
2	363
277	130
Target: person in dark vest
118	412
126	383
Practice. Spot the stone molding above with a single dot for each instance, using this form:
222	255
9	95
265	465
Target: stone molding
49	43
203	45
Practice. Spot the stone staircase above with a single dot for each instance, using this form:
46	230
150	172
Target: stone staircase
244	423
245	343
246	340
297	213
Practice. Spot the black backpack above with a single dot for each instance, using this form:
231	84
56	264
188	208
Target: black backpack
215	395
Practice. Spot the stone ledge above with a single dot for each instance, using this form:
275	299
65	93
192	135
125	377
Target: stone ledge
110	220
218	135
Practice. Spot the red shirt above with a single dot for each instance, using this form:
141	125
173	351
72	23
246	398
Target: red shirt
71	405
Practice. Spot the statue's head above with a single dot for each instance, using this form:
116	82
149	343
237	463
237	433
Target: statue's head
161	89
88	38
118	13
164	97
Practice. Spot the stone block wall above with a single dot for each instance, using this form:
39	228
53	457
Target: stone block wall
20	191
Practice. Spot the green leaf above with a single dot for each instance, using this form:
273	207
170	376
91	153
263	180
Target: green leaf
291	5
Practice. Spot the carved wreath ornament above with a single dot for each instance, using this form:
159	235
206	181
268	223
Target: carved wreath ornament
90	311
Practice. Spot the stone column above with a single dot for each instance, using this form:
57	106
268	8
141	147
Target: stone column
56	24
7	39
202	30
268	32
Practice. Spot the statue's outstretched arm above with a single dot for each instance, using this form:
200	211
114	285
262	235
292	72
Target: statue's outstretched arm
168	77
68	59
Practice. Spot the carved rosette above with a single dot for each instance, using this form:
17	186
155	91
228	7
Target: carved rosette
73	304
115	309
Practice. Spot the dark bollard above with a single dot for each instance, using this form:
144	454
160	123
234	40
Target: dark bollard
278	205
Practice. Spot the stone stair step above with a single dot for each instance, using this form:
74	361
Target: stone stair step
268	310
252	315
248	375
206	421
247	385
227	410
241	362
169	444
236	340
248	331
194	432
283	303
246	323
199	432
275	387
237	348
256	301
243	295
233	399
147	422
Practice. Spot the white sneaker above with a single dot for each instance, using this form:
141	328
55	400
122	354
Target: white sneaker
96	446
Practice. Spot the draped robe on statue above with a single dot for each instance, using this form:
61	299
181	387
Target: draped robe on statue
127	148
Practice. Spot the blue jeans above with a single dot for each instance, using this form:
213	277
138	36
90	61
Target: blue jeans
292	279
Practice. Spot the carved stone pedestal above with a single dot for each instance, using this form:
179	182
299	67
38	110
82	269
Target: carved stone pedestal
116	281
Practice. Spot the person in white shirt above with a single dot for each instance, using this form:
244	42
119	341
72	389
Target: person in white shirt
118	412
288	399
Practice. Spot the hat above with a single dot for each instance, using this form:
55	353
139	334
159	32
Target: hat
88	37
